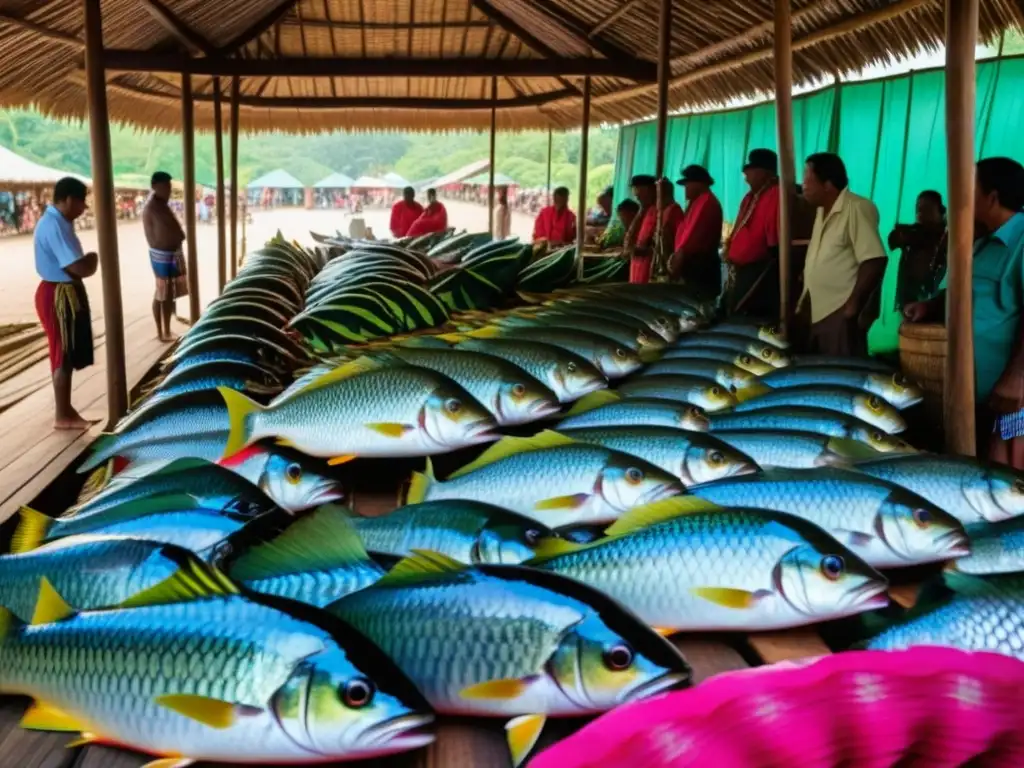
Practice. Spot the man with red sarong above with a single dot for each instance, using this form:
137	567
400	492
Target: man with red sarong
405	212
695	260
433	219
646	245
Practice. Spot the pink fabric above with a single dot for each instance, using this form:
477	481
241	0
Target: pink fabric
935	707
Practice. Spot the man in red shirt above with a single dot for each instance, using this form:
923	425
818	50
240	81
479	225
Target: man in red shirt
433	219
752	251
556	224
405	212
646	246
695	259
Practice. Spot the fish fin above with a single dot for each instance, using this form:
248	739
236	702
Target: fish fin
452	338
240	410
419	484
500	690
572	501
342	372
389	428
284	442
50	606
170	762
42	716
522	733
650	354
750	392
969	584
194	580
420	565
854	450
31	531
593	400
727	597
84	739
659	511
487	332
552	546
318	541
338	460
665	631
510	446
215	713
98	479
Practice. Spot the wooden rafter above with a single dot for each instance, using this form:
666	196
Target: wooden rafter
514	28
614	16
43	31
178	29
389	26
576	27
258	27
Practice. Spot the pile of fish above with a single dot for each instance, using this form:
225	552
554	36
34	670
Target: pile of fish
612	447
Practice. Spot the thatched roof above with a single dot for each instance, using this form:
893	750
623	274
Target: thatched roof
315	65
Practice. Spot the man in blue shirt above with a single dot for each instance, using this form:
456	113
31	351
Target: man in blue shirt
61	300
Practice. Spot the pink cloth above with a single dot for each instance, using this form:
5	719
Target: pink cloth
433	219
936	707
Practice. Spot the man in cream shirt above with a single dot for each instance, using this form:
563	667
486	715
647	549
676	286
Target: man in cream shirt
845	261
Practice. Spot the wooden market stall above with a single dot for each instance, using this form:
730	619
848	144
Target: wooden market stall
318	65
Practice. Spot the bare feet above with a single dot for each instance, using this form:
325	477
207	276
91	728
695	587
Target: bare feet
73	420
168	338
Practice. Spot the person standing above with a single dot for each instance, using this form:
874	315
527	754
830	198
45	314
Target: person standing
433	219
752	251
502	216
845	261
165	238
62	303
695	256
556	224
615	235
922	247
405	212
647	247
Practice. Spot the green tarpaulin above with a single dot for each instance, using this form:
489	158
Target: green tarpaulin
891	133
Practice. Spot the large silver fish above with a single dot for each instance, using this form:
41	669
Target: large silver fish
608	409
853	402
790	449
892	387
695	390
809	419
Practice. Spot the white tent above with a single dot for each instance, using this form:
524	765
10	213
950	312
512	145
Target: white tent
16	170
369	182
394	181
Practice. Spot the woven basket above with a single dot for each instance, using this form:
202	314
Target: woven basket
923	354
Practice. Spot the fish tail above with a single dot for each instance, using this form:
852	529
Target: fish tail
419	485
240	412
30	531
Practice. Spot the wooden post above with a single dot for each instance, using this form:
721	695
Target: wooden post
664	73
188	154
494	131
106	215
235	96
548	187
958	403
218	151
787	163
581	205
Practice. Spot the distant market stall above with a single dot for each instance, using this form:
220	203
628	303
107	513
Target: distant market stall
276	188
331	191
25	189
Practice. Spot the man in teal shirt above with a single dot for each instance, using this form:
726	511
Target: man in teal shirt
998	305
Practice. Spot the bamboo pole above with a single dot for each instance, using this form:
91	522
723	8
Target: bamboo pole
235	95
958	403
787	163
188	153
218	147
494	130
548	187
106	215
581	206
664	73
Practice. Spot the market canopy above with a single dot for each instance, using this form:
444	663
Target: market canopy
369	182
500	180
395	180
335	181
15	169
321	65
459	175
279	179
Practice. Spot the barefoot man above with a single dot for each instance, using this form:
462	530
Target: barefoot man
61	301
165	237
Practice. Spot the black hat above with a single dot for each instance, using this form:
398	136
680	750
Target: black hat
764	159
643	180
696	173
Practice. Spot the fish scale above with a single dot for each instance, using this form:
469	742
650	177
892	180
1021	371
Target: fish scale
319	587
853	402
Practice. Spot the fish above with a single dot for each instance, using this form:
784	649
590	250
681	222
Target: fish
693	457
792	449
508	641
222	677
888	526
568	375
243	376
743	384
551	478
995	548
809	419
979	615
293	480
770	334
853	402
625	330
972	491
609	409
362	409
686	565
218	327
665	324
832	361
743	360
257	350
695	390
467	531
769	353
894	388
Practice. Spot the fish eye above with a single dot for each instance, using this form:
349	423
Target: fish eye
618	657
518	390
634	476
293	472
922	517
532	536
716	457
452	405
874	403
746	359
876	436
832	567
766	354
716	391
620	352
570	367
357	693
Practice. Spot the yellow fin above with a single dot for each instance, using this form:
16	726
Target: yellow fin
727	597
83	740
487	332
659	511
502	690
42	716
421	564
342	372
522	733
170	762
212	712
854	450
452	338
240	408
751	391
593	400
420	484
284	442
509	446
193	581
337	460
572	501
389	428
31	531
551	546
50	606
665	631
650	354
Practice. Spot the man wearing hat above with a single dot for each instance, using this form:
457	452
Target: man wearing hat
752	251
695	257
645	243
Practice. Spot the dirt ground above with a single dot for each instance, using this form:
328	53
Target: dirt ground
17	266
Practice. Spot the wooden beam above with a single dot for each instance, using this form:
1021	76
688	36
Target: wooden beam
515	28
327	23
660	265
258	27
178	29
581	195
43	31
783	42
548	183
218	152
188	153
580	31
494	134
958	402
103	202
614	16
235	95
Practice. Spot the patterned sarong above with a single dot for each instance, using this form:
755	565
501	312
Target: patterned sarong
63	310
169	271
